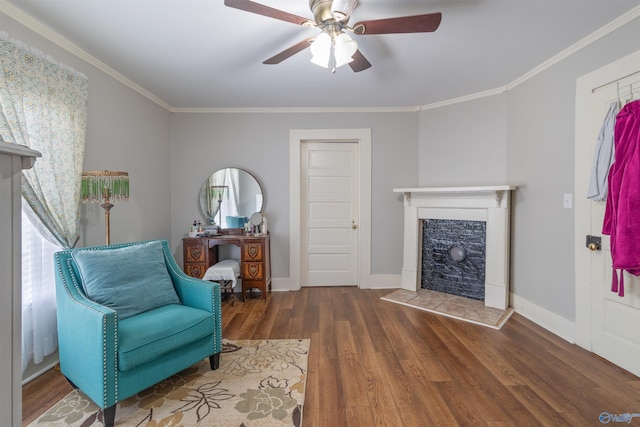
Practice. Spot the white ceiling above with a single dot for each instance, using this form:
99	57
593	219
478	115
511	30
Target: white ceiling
202	54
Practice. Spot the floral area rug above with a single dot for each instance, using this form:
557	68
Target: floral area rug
259	383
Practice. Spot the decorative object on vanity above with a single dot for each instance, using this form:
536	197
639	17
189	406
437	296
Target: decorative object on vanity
105	187
229	196
257	219
200	253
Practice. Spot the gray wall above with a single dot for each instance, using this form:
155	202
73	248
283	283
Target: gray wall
464	144
259	143
125	132
541	134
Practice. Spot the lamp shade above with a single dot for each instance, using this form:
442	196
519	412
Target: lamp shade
344	49
321	50
105	187
98	186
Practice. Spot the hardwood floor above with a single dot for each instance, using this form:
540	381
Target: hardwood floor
376	363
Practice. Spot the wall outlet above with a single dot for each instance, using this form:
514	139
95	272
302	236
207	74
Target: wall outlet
568	201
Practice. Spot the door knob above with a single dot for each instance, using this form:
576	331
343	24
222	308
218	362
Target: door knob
353	225
594	243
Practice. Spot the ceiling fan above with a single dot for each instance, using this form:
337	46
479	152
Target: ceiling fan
332	18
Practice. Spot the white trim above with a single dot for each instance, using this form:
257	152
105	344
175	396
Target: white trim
42	368
465	98
290	110
582	166
363	138
544	318
376	281
385	281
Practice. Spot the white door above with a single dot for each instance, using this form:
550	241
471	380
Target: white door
614	320
329	200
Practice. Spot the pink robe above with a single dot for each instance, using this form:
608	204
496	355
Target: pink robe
622	214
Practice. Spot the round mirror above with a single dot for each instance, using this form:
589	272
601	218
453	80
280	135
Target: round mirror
229	197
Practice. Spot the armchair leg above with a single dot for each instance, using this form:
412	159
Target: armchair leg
109	416
71	383
214	361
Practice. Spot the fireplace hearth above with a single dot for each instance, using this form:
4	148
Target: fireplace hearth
489	206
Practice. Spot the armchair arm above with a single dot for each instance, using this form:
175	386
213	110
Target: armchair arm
87	339
198	293
193	292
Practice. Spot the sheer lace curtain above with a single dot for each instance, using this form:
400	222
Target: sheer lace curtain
43	105
39	331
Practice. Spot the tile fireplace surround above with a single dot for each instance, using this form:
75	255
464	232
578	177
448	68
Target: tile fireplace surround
490	204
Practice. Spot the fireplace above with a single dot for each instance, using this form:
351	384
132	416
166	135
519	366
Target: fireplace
486	211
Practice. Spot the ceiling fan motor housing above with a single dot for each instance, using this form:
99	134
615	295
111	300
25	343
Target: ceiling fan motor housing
321	10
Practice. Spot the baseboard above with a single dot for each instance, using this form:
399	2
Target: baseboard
550	321
34	371
382	281
374	281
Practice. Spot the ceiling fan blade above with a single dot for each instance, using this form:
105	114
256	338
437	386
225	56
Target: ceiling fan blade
359	62
261	9
298	47
405	24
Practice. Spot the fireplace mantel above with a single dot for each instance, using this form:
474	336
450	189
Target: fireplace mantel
491	204
459	194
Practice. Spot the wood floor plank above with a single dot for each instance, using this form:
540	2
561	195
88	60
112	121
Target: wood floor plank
349	366
376	363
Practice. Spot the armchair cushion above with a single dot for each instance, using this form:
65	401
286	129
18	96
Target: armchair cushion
129	280
152	334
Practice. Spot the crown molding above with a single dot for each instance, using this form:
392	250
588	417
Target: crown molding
465	98
301	110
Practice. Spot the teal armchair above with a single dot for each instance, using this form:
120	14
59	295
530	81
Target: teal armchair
128	318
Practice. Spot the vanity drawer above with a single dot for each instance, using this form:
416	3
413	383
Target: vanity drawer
195	270
253	251
195	253
253	271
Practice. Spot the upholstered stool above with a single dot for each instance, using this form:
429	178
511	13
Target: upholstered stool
226	273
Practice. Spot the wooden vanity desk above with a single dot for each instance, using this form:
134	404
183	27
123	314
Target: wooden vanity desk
200	253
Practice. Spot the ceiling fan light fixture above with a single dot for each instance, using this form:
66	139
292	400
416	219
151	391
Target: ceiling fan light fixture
321	50
344	49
